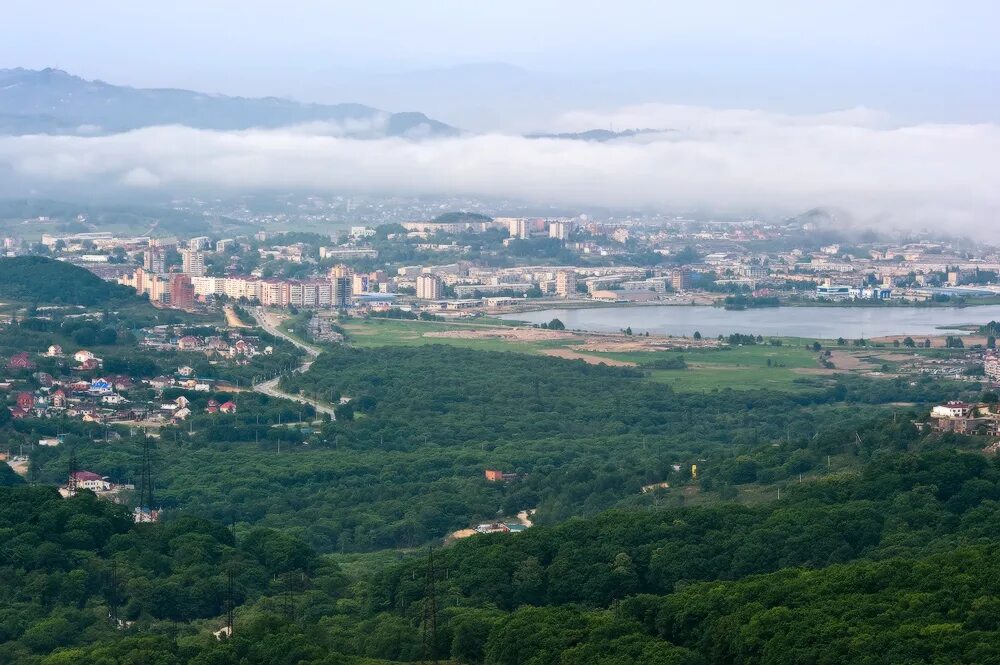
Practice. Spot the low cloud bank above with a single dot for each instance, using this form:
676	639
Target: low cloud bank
725	161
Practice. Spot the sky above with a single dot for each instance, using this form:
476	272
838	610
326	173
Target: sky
890	110
315	50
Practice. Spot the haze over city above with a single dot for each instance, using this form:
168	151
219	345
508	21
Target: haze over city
888	113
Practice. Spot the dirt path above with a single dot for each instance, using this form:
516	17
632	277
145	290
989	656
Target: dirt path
508	334
569	354
232	319
849	361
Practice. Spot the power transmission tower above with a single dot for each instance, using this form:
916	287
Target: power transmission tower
430	612
113	596
144	509
230	603
71	481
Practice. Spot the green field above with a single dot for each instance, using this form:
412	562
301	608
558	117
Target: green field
368	333
740	368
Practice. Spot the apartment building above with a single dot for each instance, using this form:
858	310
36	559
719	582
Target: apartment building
566	284
193	262
428	287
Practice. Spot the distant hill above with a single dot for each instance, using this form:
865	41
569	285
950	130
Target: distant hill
462	216
36	279
51	101
599	135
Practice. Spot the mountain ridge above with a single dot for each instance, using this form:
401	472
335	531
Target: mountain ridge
53	101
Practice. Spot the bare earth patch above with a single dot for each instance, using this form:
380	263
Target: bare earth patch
569	354
460	534
894	357
508	334
232	319
627	344
845	360
814	371
593	343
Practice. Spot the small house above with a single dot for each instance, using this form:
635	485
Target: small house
25	401
83	355
20	361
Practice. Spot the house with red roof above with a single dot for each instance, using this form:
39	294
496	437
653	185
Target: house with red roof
121	382
20	361
25	401
227	407
59	399
89	480
161	382
188	342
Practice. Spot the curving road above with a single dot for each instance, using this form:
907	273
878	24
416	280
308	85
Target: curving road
270	387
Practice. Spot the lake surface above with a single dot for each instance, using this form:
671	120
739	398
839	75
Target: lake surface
820	322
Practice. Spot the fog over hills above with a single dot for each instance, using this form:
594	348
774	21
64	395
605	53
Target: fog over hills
52	101
62	135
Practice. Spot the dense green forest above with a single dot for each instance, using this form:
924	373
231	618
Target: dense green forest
35	279
816	526
403	463
893	563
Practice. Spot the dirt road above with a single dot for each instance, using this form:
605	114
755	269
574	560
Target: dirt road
232	320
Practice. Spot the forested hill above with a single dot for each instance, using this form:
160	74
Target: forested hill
38	280
897	564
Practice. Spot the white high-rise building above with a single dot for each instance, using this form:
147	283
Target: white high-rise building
428	287
519	228
155	260
193	262
566	284
560	230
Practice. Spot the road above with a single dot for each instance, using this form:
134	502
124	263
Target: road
270	387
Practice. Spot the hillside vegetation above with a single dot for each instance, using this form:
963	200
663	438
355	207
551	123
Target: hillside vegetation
895	564
38	280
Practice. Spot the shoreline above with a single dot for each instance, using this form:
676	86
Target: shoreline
597	304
